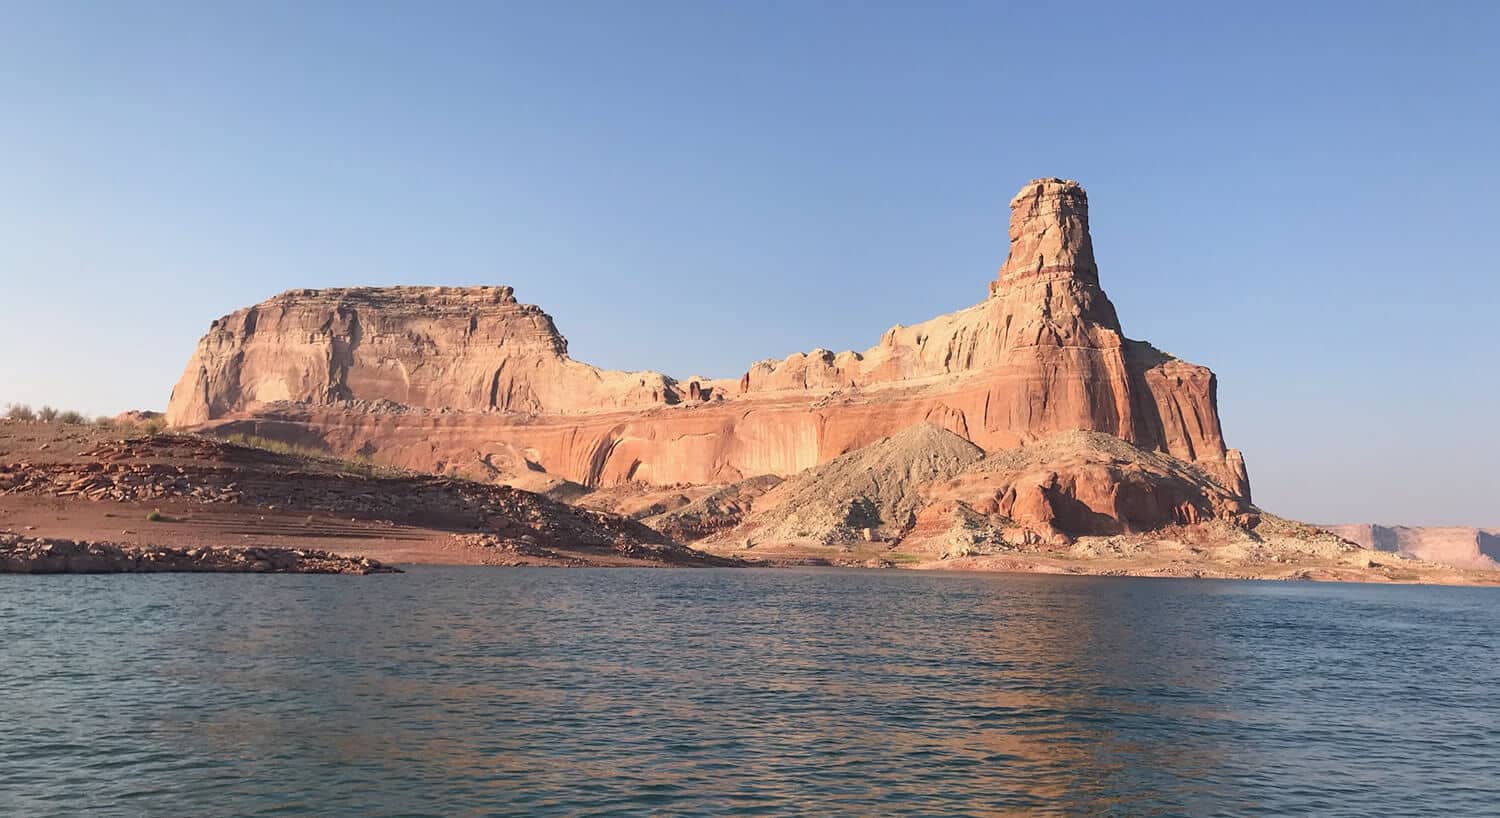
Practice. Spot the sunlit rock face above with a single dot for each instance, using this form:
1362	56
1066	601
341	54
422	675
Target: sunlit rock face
1461	546
460	348
469	380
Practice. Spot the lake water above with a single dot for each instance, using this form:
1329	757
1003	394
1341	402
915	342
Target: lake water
472	691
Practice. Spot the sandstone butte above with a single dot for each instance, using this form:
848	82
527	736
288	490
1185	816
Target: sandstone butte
468	380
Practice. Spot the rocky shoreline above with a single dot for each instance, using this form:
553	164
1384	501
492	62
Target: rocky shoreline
28	555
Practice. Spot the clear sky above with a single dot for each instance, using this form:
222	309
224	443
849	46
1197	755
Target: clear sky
1299	195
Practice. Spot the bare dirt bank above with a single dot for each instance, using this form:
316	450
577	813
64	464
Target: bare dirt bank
83	483
27	555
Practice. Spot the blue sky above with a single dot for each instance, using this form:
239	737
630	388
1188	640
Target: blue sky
1300	195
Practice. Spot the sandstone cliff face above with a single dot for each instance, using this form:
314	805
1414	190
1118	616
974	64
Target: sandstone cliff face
469	380
1461	546
466	349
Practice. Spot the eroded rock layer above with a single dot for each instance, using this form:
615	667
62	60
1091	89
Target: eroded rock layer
1461	546
468	380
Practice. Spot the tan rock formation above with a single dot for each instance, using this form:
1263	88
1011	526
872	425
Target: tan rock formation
721	508
1460	546
869	494
466	349
468	380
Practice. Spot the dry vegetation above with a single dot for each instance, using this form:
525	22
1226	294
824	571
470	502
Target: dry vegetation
307	454
21	412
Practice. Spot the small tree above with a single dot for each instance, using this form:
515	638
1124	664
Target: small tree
72	418
19	411
46	414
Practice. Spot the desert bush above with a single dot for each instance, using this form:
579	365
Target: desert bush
154	517
278	446
104	422
49	414
153	426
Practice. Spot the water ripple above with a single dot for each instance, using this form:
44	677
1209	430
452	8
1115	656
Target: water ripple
546	692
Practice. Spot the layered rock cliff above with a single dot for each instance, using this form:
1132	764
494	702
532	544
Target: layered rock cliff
467	379
460	348
1461	546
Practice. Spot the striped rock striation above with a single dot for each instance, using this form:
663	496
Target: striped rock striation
470	380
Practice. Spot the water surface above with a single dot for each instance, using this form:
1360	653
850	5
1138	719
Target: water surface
473	691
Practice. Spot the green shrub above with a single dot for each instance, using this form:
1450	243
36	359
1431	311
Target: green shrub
19	411
46	414
72	418
154	517
153	426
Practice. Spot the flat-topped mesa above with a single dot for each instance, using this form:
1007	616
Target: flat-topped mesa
1045	354
460	348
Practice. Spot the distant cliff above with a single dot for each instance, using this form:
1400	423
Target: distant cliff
467	379
1460	546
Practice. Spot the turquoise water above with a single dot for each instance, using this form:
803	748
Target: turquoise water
471	691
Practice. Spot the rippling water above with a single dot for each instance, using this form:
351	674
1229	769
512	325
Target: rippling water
452	691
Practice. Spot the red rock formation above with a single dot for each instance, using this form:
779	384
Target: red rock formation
1086	483
466	349
469	380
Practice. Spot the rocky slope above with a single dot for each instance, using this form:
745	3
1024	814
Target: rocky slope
927	490
469	381
869	494
1080	484
196	490
1460	546
719	508
1073	503
1268	548
29	555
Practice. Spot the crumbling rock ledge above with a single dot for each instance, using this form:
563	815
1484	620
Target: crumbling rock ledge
27	555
